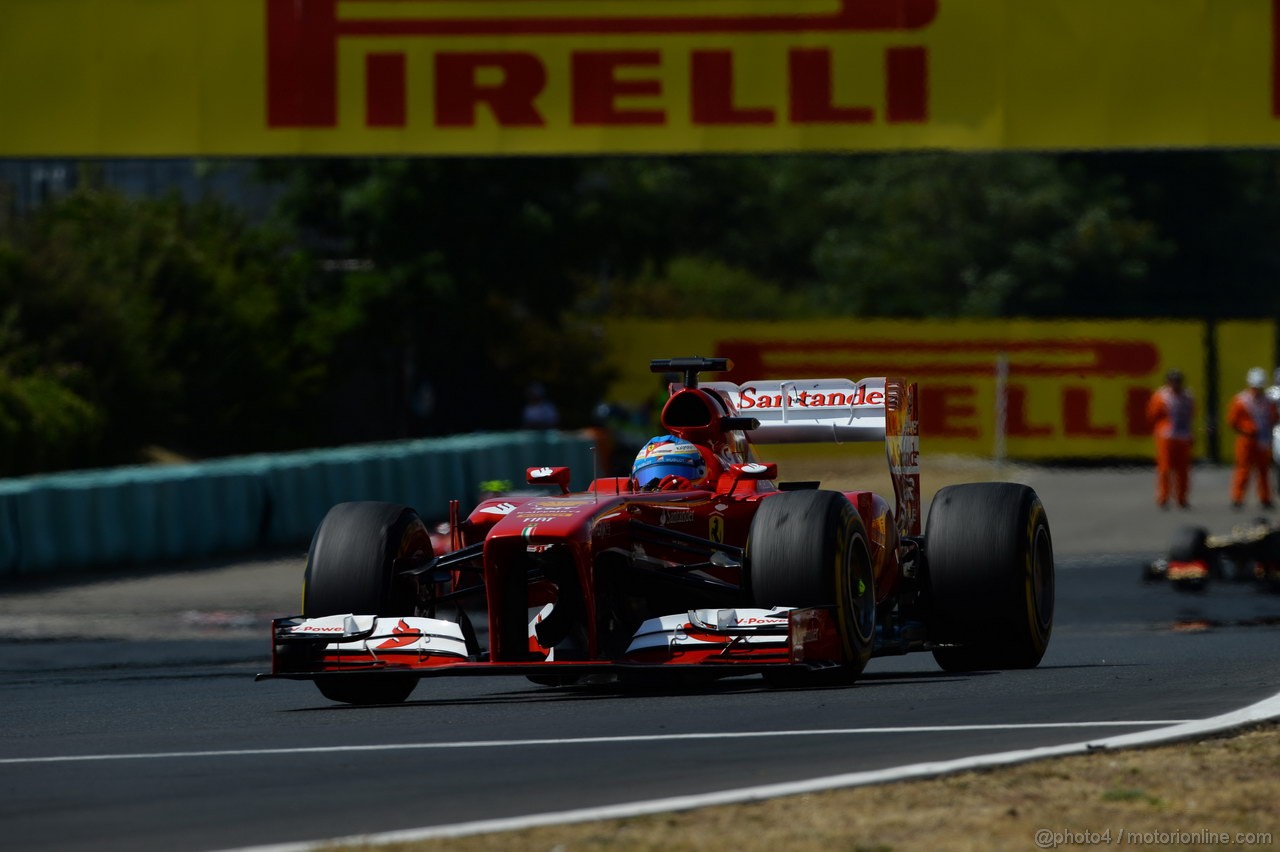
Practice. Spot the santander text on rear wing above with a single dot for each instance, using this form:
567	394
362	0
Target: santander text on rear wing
797	411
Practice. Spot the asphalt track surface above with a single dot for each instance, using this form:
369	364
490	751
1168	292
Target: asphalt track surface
158	738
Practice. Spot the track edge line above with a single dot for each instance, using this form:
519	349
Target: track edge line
1261	711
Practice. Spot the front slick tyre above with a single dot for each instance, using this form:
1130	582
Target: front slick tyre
351	568
809	549
991	576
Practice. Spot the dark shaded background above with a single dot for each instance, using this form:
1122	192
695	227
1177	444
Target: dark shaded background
296	303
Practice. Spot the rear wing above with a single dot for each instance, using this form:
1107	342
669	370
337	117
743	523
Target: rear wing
801	411
798	411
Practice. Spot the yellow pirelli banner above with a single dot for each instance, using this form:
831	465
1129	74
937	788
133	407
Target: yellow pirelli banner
289	77
1240	346
1072	389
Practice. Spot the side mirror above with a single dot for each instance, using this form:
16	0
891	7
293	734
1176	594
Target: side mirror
754	470
549	476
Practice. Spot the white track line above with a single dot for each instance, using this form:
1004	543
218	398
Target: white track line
647	738
1260	712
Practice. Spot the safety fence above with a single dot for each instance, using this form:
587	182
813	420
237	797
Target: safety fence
132	515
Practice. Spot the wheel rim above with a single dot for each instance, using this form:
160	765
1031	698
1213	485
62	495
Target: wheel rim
1041	580
414	542
860	590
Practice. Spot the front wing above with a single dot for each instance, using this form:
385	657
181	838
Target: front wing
717	642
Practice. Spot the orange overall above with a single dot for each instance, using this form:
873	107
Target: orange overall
1252	416
1170	413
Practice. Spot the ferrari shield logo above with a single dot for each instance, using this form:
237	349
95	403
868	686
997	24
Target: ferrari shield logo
716	530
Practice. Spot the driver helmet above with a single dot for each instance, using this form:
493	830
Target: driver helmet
667	455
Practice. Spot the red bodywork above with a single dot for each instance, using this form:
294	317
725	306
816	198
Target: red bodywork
596	521
613	557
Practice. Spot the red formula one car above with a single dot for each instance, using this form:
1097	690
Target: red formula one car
699	565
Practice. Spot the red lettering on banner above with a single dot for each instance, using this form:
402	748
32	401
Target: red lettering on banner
1076	415
1016	423
947	411
1135	411
302	60
458	92
711	87
1061	357
907	76
1275	58
302	64
596	88
1051	370
384	98
811	95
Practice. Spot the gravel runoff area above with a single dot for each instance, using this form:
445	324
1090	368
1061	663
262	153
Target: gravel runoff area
1091	511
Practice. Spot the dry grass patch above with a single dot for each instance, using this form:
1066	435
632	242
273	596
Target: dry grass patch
1227	785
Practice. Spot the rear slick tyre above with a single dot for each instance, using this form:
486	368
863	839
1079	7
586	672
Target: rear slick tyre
351	568
809	549
990	576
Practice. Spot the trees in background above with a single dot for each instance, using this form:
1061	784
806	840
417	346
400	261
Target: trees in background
462	274
1218	213
396	297
129	323
944	235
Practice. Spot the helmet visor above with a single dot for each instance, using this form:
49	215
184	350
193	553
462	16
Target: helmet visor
660	469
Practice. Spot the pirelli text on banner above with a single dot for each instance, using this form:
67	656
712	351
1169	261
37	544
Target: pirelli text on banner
1073	388
303	39
279	77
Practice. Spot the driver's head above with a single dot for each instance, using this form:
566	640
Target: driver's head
667	455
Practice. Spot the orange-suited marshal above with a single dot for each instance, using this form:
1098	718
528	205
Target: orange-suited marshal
1252	415
1170	412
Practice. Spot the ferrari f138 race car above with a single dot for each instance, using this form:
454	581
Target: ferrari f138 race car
699	565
